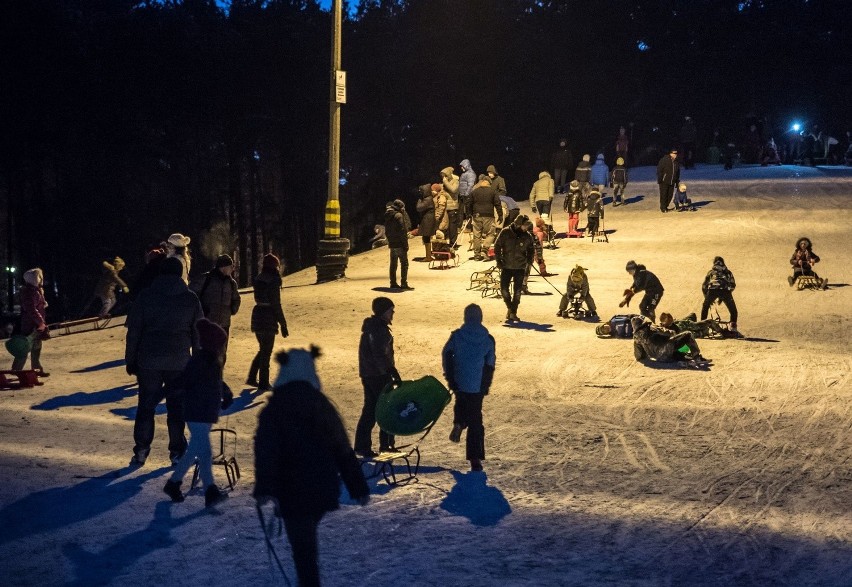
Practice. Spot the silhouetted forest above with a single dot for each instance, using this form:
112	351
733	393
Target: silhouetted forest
122	121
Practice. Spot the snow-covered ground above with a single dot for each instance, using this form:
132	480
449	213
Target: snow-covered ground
599	470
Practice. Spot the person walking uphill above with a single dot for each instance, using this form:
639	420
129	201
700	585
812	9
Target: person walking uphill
301	452
397	225
541	195
160	333
668	176
33	322
514	250
377	368
267	318
219	296
204	395
469	359
643	280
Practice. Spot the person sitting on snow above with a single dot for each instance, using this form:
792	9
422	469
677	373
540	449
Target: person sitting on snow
662	346
681	200
578	285
803	261
698	328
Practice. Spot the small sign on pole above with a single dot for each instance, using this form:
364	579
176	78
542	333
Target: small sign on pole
340	86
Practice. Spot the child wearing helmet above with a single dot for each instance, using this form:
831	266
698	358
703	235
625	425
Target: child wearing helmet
618	181
681	200
578	285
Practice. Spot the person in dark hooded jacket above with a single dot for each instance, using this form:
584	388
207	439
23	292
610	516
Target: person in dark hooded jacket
301	452
267	318
219	295
803	261
377	368
668	176
469	359
643	280
497	182
397	225
719	284
160	333
428	224
514	250
661	345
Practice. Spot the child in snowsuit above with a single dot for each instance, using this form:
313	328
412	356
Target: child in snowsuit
468	359
105	289
538	231
719	284
618	181
681	200
596	212
574	204
643	280
618	326
204	394
803	261
301	452
600	173
660	346
578	285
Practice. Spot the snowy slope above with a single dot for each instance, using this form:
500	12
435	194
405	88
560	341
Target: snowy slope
599	470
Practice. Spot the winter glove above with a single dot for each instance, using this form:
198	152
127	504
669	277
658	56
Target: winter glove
132	368
227	396
125	289
628	294
284	332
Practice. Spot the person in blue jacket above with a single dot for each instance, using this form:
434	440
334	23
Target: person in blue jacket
600	173
469	359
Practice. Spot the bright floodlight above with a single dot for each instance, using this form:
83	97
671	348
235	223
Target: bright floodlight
796	127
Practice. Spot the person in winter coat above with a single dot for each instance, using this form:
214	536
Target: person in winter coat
561	161
511	209
514	252
668	176
267	318
469	358
596	212
160	333
450	183
219	295
719	284
622	144
578	285
618	181
698	328
204	394
643	280
301	452
575	203
33	320
467	181
583	175
681	200
397	225
178	247
442	221
428	226
541	194
618	326
662	346
539	231
484	203
688	142
105	289
497	182
803	261
377	368
600	173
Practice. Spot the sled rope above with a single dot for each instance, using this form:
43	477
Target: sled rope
547	280
270	549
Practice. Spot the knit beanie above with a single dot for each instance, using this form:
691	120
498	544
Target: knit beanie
224	261
211	336
381	305
171	266
270	261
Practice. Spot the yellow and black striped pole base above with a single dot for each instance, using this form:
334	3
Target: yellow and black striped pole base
332	219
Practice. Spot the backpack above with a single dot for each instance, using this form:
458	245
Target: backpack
720	279
621	327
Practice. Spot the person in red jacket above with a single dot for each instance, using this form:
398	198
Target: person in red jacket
33	322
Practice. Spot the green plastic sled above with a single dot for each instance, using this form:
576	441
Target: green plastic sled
409	407
19	346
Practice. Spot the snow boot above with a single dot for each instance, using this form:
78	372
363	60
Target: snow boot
214	495
172	489
252	375
455	435
406	287
475	465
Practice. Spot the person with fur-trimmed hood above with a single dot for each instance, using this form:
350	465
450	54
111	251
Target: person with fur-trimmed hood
497	182
662	346
719	284
467	181
301	452
643	280
514	251
578	285
109	281
574	203
618	181
469	358
803	261
397	225
541	194
450	183
33	320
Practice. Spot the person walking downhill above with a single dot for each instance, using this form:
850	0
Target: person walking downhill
397	225
301	453
469	358
267	318
377	368
160	333
668	176
204	395
220	297
514	250
33	320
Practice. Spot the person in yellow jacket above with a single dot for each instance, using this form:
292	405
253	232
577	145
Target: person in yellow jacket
541	194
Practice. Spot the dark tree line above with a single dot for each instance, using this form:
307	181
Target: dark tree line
122	121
